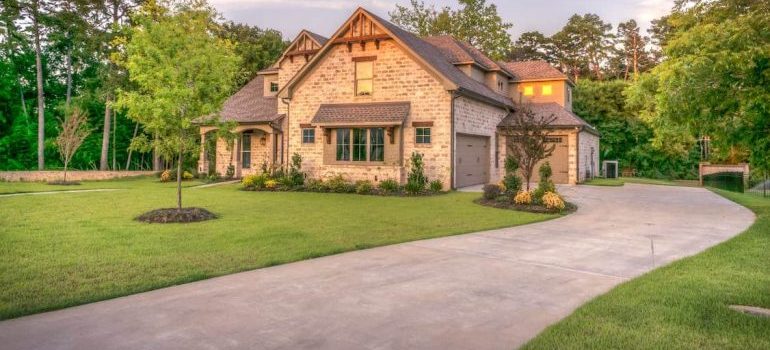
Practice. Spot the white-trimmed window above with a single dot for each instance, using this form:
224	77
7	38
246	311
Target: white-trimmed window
422	135
360	145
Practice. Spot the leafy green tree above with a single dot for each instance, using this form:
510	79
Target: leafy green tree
182	72
257	48
533	46
475	22
632	57
583	45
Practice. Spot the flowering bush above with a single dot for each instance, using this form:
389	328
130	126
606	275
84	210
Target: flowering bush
364	187
523	197
271	184
165	176
553	201
187	175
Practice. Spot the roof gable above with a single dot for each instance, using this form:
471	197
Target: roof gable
364	26
306	44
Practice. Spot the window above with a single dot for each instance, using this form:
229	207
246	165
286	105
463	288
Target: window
363	144
343	144
246	151
547	90
529	90
273	86
377	145
500	86
364	77
422	135
308	135
359	145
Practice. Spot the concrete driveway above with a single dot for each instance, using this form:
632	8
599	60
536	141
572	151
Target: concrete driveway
487	290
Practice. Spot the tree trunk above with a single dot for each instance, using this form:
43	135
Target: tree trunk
636	58
114	142
179	180
105	136
23	102
130	150
40	95
69	77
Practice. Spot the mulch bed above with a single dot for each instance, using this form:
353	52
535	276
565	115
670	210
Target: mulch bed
532	208
174	215
63	183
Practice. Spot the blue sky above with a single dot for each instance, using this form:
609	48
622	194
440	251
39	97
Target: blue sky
323	16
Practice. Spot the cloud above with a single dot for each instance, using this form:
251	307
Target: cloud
652	9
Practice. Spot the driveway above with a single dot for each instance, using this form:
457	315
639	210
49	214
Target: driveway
486	290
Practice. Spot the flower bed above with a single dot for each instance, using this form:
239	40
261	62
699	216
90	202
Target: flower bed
509	195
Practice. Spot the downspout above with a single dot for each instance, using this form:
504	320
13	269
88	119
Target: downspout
452	139
286	132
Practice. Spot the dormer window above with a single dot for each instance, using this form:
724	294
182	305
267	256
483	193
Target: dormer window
500	86
529	90
547	90
273	86
364	76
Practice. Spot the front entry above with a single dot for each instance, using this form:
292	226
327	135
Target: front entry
472	160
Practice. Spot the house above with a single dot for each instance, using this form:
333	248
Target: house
359	103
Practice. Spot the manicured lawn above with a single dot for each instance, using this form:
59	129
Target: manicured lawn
60	250
683	305
639	180
133	182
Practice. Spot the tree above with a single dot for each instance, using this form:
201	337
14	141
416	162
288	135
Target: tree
715	80
526	139
533	46
74	130
584	44
182	72
475	22
257	48
633	53
37	11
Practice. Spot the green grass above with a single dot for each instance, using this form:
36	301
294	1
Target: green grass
127	183
61	250
683	305
639	180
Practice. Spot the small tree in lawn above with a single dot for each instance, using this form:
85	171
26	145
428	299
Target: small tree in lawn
182	74
527	139
74	129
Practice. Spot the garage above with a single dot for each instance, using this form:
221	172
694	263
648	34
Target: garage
472	160
559	161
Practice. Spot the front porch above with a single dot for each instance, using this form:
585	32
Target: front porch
255	147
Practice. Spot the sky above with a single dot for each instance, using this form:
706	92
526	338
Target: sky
324	16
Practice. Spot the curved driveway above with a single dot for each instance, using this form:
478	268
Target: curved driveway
486	290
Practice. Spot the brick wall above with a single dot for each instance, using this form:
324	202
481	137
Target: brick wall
72	175
588	160
478	118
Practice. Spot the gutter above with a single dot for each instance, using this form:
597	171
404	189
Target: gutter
286	132
452	139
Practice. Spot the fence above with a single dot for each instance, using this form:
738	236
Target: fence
759	183
736	181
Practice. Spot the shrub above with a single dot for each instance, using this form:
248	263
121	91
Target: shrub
187	175
230	172
416	180
436	186
288	182
315	185
523	198
338	184
165	176
214	177
364	187
545	171
552	200
545	184
250	181
491	191
389	186
271	184
296	176
511	180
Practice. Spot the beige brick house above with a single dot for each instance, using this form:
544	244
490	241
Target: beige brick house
360	102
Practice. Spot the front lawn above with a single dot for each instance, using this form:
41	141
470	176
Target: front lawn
598	181
683	305
61	250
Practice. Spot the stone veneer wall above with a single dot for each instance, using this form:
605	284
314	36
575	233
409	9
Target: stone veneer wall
397	77
587	141
478	118
72	175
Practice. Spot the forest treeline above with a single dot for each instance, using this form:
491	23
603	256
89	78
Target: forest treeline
699	76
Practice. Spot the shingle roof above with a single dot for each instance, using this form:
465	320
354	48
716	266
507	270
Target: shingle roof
436	58
457	51
532	70
380	113
250	105
320	39
564	118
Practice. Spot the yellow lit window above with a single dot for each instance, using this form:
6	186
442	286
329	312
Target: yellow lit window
529	91
364	75
547	90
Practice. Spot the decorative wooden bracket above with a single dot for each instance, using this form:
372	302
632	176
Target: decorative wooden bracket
391	134
328	135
